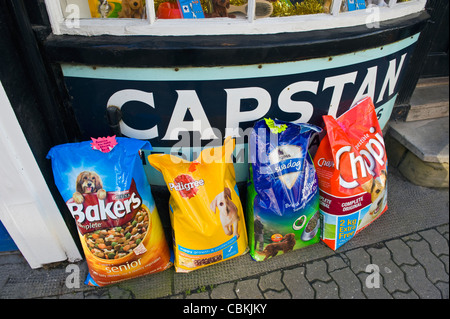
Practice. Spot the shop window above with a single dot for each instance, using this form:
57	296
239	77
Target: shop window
191	17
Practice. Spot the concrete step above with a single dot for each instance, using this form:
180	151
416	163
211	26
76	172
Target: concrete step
419	150
430	99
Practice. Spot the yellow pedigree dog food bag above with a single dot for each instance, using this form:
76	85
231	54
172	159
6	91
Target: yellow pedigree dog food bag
205	210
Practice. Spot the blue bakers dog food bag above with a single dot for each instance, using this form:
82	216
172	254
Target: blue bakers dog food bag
106	190
283	194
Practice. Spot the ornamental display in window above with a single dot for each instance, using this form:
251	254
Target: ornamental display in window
217	17
200	9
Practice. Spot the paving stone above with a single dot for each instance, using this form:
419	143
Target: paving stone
317	271
31	285
414	236
444	260
443	230
326	290
118	293
435	269
416	278
443	287
224	291
198	295
439	245
373	292
98	293
359	259
405	295
158	285
393	277
401	253
271	281
271	294
335	262
349	284
297	284
248	289
74	295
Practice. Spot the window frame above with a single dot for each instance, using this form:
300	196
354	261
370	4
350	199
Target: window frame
151	26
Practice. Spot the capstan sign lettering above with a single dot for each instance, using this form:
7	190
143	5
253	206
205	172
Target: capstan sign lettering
249	104
212	103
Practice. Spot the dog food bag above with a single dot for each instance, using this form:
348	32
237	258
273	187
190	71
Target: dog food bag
205	210
283	194
106	190
351	165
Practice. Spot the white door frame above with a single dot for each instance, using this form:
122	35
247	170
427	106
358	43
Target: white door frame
27	208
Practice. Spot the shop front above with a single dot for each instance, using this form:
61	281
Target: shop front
184	109
186	83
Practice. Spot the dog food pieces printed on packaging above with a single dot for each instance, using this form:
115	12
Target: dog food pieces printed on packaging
351	164
106	190
205	210
282	193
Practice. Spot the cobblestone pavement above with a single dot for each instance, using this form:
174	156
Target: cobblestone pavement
415	266
411	267
404	254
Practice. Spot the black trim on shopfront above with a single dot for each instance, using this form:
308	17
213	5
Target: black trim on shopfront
223	50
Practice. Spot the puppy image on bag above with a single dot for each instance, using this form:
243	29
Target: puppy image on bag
88	183
228	212
377	190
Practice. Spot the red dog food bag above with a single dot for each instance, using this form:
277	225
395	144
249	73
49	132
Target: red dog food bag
351	165
106	190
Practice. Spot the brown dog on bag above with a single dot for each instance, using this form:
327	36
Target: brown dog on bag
88	183
286	245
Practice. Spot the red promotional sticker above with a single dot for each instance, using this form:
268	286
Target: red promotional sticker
104	144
